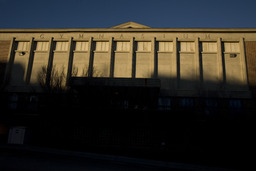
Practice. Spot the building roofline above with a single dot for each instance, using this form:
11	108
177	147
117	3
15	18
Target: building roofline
130	24
70	30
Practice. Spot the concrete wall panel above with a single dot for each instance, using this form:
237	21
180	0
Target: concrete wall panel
101	65
80	64
40	61
187	71
123	65
143	65
210	73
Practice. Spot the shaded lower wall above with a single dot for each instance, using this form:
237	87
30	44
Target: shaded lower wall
162	137
186	129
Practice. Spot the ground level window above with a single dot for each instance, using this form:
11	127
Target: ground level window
211	107
235	107
164	103
13	101
120	104
33	103
187	102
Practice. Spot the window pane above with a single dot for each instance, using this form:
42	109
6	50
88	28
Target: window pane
164	103
187	46
23	46
235	107
144	46
82	46
42	46
122	46
209	46
231	47
165	46
61	46
187	102
102	46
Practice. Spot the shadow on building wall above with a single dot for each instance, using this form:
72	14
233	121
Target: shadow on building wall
106	115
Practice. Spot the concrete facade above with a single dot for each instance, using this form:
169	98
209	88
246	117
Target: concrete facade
161	92
188	62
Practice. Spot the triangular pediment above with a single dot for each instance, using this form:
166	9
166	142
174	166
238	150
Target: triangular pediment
130	25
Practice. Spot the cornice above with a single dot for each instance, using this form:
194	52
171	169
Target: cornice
171	30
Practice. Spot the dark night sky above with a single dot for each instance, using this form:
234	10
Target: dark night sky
107	13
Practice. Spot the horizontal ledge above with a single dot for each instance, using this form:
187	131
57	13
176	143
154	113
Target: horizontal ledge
100	40
230	40
214	40
21	51
164	40
40	51
164	51
41	40
231	52
60	51
208	52
186	52
142	40
80	40
95	51
122	82
143	51
22	40
122	51
82	30
60	40
180	39
121	40
80	51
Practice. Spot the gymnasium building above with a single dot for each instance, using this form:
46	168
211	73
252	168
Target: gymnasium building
129	86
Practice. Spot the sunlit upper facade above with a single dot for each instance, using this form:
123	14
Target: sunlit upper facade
187	62
155	89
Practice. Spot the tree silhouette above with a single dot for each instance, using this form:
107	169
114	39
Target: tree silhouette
54	79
